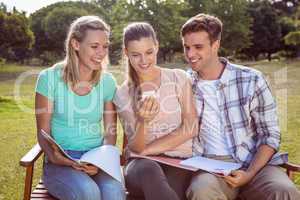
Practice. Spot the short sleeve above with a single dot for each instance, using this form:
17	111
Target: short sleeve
117	99
44	85
110	86
126	115
182	80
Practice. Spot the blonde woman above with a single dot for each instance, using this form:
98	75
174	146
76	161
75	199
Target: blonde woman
157	112
72	98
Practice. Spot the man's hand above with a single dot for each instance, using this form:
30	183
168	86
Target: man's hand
238	178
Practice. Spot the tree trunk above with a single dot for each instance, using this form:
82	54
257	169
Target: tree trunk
298	53
269	57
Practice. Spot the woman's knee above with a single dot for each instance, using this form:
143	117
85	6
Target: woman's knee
87	191
139	172
71	191
113	190
110	188
147	168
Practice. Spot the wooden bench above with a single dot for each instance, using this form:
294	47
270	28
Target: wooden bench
41	193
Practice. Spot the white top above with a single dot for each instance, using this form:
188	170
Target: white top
212	126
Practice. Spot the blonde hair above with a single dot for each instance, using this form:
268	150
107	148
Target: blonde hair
78	31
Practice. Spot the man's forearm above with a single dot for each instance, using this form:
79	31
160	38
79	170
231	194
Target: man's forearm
261	158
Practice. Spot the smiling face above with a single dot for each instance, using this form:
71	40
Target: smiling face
142	54
92	50
199	51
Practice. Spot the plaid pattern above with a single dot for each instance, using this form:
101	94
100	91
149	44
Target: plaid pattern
248	111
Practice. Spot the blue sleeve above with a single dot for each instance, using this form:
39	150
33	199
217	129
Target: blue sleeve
44	85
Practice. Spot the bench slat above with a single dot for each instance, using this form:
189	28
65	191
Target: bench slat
41	193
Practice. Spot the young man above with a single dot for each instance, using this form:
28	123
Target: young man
237	115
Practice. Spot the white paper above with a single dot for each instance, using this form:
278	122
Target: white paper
105	157
210	165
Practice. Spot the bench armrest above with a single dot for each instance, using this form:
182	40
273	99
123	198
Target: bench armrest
31	156
291	167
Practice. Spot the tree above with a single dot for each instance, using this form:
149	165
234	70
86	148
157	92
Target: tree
266	30
293	37
235	18
16	36
3	7
50	25
56	25
285	7
165	17
106	4
2	33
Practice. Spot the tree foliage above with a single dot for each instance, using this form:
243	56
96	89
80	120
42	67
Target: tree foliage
266	29
56	25
236	23
16	38
50	25
293	37
254	28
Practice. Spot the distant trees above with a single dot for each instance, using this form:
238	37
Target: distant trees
251	28
236	22
56	25
165	17
50	26
266	29
16	38
293	37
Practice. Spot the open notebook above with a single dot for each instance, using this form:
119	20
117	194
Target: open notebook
105	157
196	163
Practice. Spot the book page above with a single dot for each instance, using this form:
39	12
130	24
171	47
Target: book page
53	142
175	162
211	165
107	158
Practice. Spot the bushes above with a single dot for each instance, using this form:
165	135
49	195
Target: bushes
2	61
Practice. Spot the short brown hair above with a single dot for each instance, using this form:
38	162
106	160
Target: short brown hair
203	22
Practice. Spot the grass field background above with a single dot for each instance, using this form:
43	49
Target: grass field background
17	127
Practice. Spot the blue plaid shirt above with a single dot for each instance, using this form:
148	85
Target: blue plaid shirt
248	111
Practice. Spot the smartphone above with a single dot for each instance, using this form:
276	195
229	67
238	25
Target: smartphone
148	94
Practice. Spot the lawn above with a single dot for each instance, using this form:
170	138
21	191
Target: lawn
17	123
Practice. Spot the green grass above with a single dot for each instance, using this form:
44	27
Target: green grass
17	127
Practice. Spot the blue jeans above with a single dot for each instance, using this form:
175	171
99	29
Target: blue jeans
66	183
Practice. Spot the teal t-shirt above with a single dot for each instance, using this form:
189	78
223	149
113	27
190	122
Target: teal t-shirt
76	120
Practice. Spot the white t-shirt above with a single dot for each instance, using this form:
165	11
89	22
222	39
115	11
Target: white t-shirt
212	128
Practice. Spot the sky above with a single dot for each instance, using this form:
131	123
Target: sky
29	6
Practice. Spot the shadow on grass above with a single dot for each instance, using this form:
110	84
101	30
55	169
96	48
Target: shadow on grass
6	100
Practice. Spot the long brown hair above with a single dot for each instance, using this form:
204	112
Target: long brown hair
78	31
133	32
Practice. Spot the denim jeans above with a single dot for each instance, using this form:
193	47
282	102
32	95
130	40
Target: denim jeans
66	183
